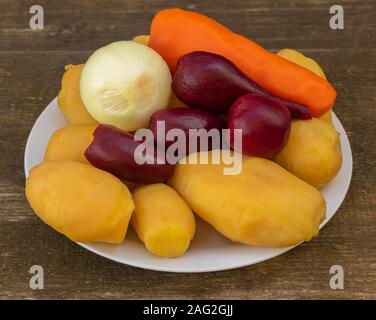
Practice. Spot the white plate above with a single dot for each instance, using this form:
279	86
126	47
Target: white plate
209	251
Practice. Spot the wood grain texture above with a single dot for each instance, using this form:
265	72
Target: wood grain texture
31	64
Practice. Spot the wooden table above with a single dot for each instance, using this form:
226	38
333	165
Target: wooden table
31	64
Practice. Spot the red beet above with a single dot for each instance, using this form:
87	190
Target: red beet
185	119
209	81
114	151
265	125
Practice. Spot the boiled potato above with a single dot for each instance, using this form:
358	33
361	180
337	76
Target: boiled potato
162	220
143	39
69	99
264	205
83	203
302	60
70	143
312	152
327	116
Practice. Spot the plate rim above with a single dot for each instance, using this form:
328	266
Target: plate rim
337	124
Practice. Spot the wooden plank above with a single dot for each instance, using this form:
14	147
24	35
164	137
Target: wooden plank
77	26
73	272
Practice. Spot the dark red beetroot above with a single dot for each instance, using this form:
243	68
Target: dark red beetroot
185	119
209	81
265	125
114	151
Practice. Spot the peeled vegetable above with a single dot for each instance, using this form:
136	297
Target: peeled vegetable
303	61
84	203
265	125
162	220
176	32
264	205
209	81
327	116
143	39
69	99
123	83
70	143
185	119
313	150
115	151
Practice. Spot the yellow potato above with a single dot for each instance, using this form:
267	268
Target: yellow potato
312	152
162	220
264	205
143	39
69	98
302	60
70	143
83	203
327	116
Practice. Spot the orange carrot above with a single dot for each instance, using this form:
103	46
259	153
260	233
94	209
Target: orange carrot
175	32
